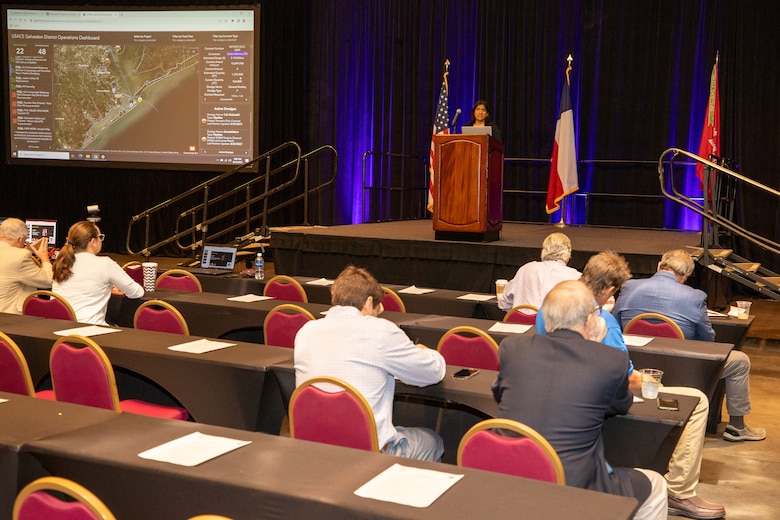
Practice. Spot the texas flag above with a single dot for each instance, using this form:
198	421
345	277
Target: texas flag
563	170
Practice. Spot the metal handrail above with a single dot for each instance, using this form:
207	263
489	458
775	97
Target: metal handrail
402	189
706	209
204	187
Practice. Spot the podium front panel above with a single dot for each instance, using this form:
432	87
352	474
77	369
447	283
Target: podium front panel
462	192
468	185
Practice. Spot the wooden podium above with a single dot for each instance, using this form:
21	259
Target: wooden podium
468	187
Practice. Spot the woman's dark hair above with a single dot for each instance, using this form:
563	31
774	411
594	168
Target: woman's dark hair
488	119
77	240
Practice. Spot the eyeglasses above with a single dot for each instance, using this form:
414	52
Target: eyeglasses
101	236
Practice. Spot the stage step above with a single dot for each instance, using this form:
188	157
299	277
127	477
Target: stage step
748	273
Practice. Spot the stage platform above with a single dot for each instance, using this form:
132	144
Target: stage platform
406	252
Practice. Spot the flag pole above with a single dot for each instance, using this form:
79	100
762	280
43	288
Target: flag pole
562	223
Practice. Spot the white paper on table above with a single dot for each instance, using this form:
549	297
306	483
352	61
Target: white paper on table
413	289
249	298
477	297
733	311
200	346
638	399
513	328
322	281
636	341
3	400
717	314
89	330
408	486
192	449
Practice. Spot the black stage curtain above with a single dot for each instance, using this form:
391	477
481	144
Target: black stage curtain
365	75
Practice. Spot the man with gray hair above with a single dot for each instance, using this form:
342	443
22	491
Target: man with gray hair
666	293
20	274
534	279
564	384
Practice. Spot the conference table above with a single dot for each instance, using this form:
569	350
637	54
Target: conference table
437	301
221	387
447	302
691	363
645	437
276	477
24	419
247	386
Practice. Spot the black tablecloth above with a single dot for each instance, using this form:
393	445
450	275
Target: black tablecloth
277	477
24	419
221	387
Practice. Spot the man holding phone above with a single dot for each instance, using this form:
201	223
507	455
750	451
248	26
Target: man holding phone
20	274
354	344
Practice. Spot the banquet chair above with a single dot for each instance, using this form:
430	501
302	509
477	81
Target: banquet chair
34	502
135	270
341	417
82	374
46	304
285	288
516	315
282	323
179	280
525	454
653	324
392	302
468	346
160	316
15	375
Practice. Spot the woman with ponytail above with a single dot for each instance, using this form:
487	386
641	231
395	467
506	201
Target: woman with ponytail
85	279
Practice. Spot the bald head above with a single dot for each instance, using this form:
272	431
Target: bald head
567	306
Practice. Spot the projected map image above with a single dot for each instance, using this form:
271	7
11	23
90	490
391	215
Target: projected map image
99	86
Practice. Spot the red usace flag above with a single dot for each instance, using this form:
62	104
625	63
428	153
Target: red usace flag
710	134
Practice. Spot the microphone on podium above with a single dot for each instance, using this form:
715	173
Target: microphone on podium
457	113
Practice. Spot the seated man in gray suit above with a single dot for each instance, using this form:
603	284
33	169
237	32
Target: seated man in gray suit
666	293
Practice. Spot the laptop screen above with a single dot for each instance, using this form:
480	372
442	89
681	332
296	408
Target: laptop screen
37	228
218	257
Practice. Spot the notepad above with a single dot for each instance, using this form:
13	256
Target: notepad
477	297
636	341
201	346
408	486
89	330
512	328
415	290
249	298
193	449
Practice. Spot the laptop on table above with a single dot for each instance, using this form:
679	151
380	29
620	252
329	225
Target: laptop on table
216	260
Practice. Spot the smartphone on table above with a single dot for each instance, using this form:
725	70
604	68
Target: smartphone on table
465	373
668	403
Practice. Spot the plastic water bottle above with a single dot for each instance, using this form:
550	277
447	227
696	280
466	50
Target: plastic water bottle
259	267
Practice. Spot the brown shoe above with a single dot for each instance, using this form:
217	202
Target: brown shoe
695	507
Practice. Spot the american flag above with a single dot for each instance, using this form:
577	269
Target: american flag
441	125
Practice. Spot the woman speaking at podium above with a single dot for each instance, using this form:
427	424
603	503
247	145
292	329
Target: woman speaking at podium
480	116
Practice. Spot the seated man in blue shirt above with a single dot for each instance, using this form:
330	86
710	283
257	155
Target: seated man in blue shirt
604	274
